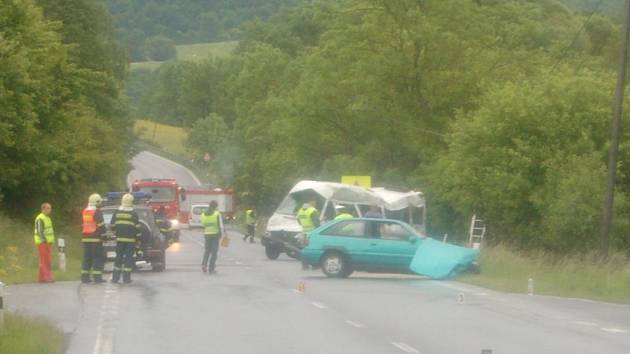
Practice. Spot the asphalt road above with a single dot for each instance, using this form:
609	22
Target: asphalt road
149	165
255	305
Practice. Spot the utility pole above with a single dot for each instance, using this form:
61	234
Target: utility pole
614	140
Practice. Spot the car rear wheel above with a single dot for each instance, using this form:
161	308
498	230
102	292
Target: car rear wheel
335	265
272	252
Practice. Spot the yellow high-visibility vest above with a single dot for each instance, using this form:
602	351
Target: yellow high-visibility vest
49	232
305	218
210	223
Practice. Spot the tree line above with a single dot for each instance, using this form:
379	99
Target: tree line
149	28
499	108
64	130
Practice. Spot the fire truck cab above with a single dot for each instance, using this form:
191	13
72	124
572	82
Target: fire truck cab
166	199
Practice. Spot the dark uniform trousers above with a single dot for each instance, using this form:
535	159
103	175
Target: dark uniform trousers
92	261
211	247
124	261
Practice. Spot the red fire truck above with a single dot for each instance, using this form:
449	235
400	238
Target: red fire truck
165	193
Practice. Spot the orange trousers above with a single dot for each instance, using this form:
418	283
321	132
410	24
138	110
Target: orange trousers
45	262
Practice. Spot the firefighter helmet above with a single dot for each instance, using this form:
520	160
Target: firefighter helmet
95	200
127	200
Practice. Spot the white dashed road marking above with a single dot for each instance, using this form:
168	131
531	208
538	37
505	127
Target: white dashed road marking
238	263
319	305
614	330
405	347
356	324
585	323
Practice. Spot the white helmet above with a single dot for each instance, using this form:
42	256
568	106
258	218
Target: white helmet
95	200
127	200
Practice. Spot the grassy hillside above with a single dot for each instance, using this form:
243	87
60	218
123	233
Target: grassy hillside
166	137
193	52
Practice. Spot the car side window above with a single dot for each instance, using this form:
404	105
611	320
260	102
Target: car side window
350	228
391	231
198	211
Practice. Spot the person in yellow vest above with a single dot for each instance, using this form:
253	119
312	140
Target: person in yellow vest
308	217
44	239
250	221
342	212
126	224
93	228
212	222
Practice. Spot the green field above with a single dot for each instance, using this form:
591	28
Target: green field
166	137
25	335
584	277
193	52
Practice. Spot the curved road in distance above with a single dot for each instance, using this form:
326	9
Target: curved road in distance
254	305
149	165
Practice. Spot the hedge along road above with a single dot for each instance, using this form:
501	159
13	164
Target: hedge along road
256	305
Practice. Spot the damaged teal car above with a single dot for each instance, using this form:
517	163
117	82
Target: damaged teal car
382	245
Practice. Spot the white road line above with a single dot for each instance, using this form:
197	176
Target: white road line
239	263
405	347
586	323
296	291
613	330
108	319
319	305
356	324
481	294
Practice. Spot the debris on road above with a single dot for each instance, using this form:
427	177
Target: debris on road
439	260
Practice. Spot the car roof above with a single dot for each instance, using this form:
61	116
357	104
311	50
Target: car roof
200	205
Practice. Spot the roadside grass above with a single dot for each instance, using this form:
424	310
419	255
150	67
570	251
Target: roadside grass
166	137
577	277
27	335
18	256
192	52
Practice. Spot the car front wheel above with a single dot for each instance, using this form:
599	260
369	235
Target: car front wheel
335	265
272	252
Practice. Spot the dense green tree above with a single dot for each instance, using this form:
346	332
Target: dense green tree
55	141
160	48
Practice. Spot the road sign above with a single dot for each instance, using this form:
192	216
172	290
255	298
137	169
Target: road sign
362	181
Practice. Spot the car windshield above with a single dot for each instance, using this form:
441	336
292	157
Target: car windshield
160	194
287	206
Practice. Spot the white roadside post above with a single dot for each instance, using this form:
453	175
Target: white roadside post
61	243
1	305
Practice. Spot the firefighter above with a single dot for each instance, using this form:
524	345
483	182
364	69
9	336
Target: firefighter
126	226
250	221
342	212
163	223
44	239
212	231
93	230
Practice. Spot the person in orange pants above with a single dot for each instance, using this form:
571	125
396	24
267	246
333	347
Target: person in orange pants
44	239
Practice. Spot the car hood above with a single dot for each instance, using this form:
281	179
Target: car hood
282	222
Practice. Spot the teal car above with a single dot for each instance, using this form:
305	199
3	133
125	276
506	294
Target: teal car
374	245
